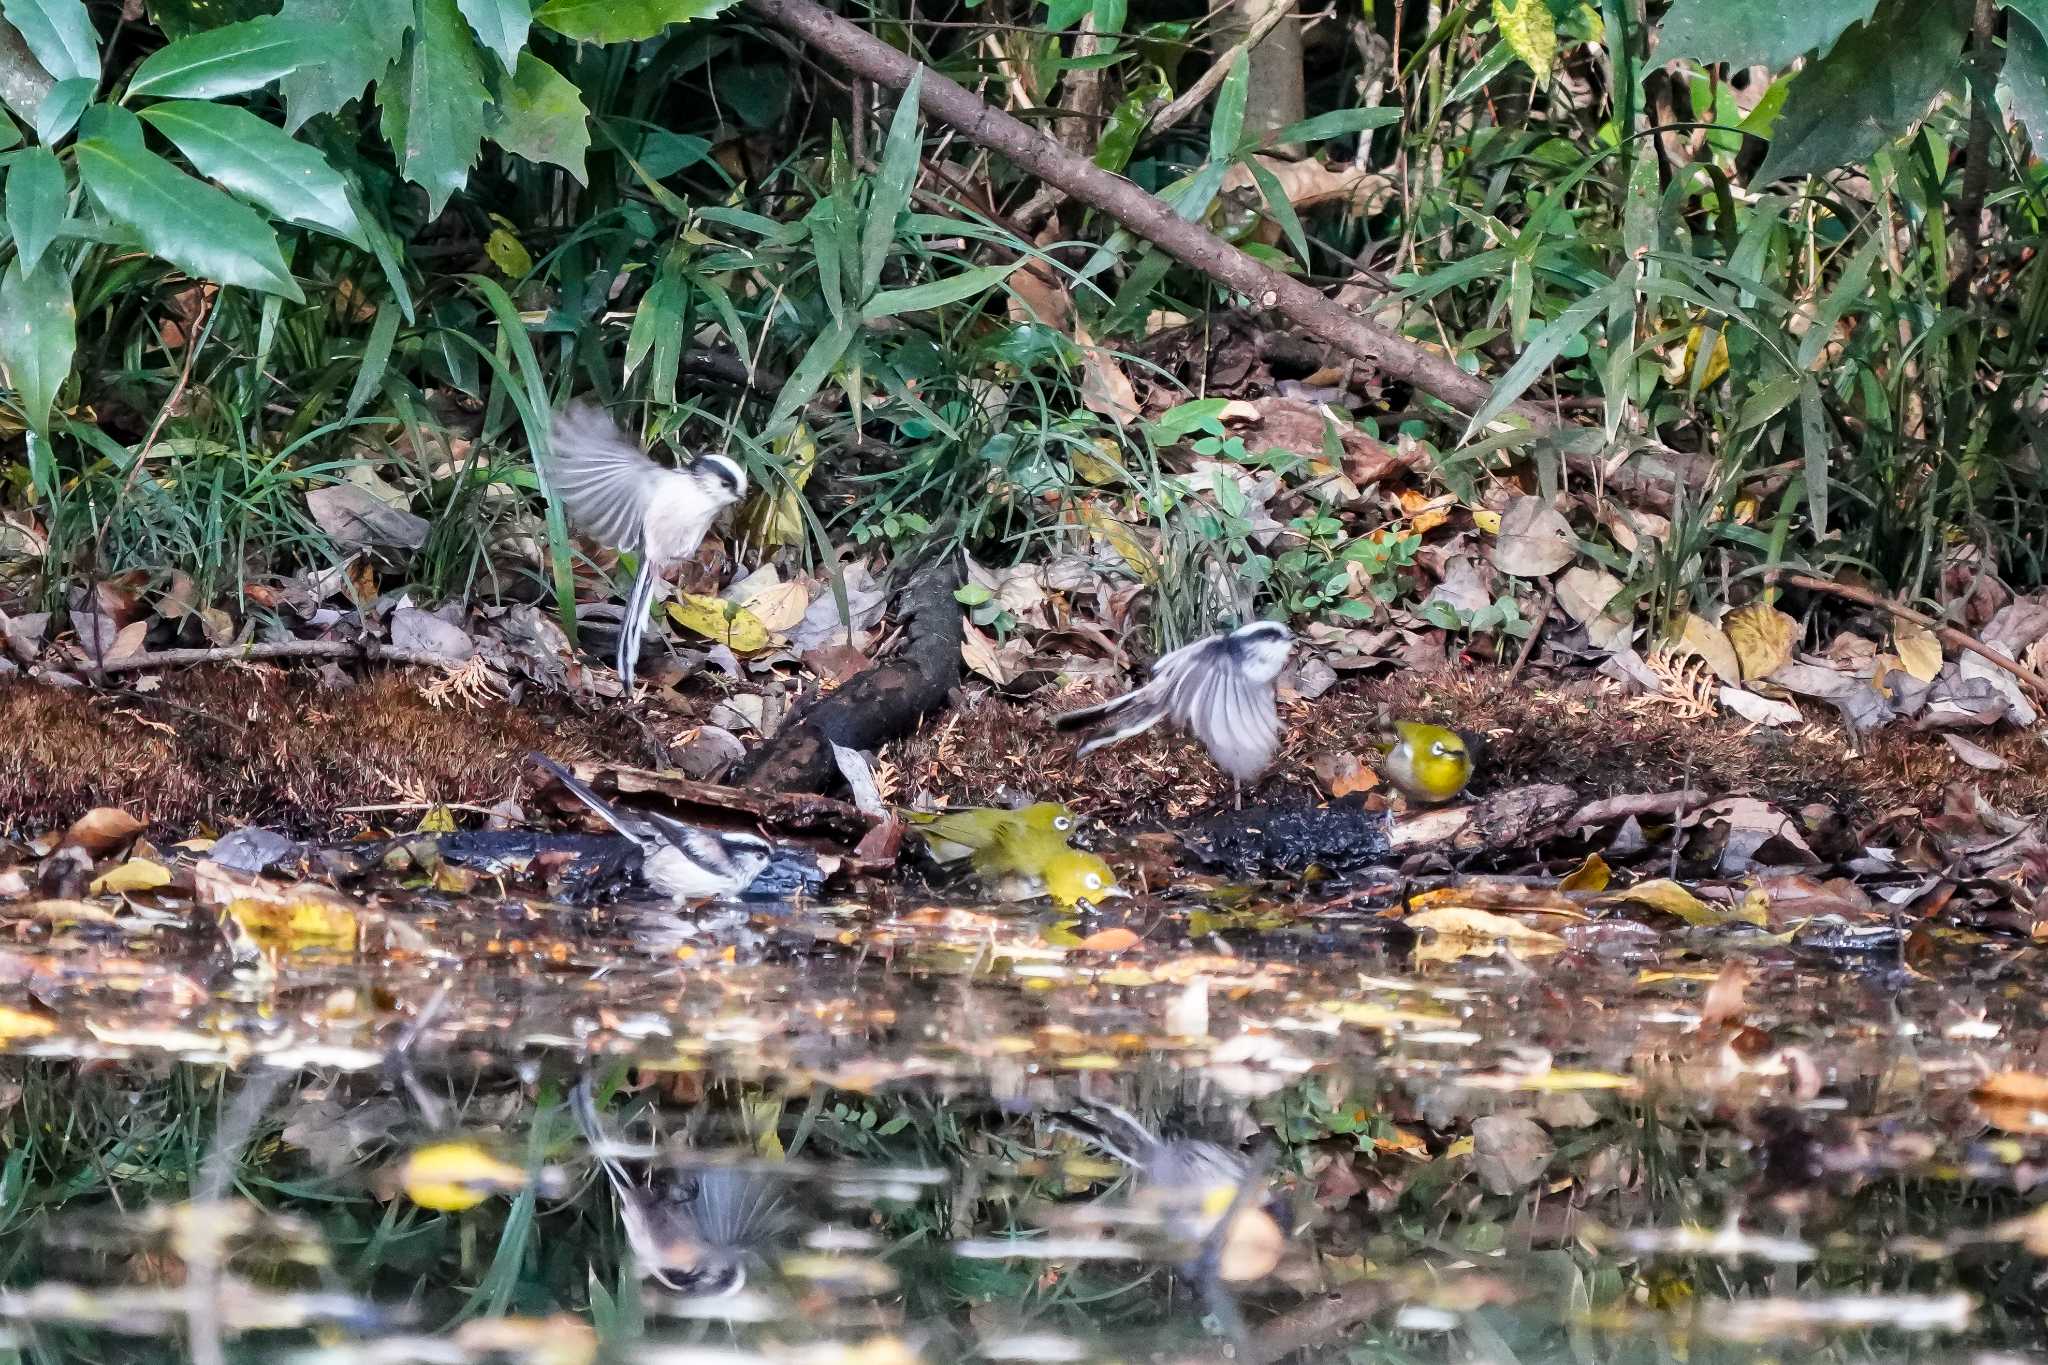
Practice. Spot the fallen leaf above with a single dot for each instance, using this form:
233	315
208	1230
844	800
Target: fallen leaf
1535	540
354	517
716	619
1460	931
452	1176
137	874
1509	1153
1663	894
1976	755
2016	1101
1759	710
307	922
16	1023
1105	388
1112	940
1918	648
1762	637
1700	637
102	830
1590	875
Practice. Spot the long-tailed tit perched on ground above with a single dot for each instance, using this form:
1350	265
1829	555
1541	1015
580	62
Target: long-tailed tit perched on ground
682	862
1220	690
612	492
697	1231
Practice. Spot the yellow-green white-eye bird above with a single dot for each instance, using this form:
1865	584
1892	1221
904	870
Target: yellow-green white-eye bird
613	493
952	835
1429	763
1026	864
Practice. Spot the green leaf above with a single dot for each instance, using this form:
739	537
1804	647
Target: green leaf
1228	124
366	37
10	136
376	359
810	374
1338	123
433	104
2024	77
36	203
1527	28
60	110
1813	440
1544	347
187	222
1126	125
59	35
622	21
900	158
1873	87
385	250
541	117
937	293
499	25
1768	33
1279	206
1061	15
231	59
38	336
233	147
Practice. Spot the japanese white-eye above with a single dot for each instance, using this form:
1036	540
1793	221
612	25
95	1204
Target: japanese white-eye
1026	864
956	834
1429	763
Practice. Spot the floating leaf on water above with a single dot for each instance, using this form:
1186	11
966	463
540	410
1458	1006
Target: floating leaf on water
1661	893
452	1176
16	1024
1590	875
290	926
137	874
1460	931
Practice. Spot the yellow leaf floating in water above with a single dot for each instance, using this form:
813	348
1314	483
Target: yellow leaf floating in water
452	1176
1460	931
716	619
137	874
1664	894
1762	637
16	1023
290	926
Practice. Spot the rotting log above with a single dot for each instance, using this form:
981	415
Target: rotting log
877	705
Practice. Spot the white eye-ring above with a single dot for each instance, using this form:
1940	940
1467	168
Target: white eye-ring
1063	823
1093	881
1440	749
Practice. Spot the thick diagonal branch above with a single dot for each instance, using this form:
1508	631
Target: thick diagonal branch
1191	244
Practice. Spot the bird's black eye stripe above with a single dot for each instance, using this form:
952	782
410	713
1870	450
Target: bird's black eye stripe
725	474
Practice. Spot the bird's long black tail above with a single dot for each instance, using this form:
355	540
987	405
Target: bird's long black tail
1090	715
582	793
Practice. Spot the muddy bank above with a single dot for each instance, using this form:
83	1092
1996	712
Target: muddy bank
222	746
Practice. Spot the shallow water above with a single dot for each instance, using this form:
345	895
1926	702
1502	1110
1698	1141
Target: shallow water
1469	1151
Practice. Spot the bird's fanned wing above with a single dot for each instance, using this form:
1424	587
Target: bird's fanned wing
629	826
1232	716
602	479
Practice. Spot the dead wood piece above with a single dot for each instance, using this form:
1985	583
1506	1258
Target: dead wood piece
280	649
1319	1322
881	704
1511	819
1949	635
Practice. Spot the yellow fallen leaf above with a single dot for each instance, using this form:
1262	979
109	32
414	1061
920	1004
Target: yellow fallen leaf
1462	1147
1097	462
1384	1018
295	925
715	619
1487	520
1590	875
1130	546
1694	634
1762	637
1663	894
1919	649
438	820
16	1023
452	1176
779	606
1460	931
137	874
774	515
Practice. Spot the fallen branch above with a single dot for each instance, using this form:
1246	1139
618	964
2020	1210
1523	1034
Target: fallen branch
1948	635
282	649
1144	214
1319	1322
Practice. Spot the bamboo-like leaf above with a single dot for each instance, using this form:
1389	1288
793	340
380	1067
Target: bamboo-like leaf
1228	124
810	373
890	303
891	194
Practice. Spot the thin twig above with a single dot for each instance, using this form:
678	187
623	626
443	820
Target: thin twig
283	649
1205	85
193	345
1535	632
2035	683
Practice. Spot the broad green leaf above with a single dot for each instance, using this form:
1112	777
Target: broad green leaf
1338	123
36	202
1061	15
187	222
891	194
500	25
236	149
10	136
810	374
61	108
2024	77
1110	16
622	21
58	34
1768	33
1873	87
541	117
229	60
1127	123
1228	124
366	37
937	293
1528	29
433	104
38	336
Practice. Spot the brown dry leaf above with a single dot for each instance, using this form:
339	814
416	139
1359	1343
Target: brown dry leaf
1535	540
1309	184
1424	512
1105	388
1341	774
1919	650
1252	1247
2016	1101
1976	755
1509	1152
1762	637
137	874
1113	940
1724	1002
102	830
982	655
1036	296
1700	637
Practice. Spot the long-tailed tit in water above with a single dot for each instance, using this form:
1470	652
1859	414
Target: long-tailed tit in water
682	862
612	492
1220	690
